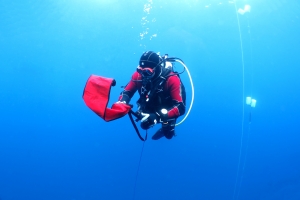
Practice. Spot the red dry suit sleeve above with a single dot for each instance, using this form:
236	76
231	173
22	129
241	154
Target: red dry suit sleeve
131	88
173	85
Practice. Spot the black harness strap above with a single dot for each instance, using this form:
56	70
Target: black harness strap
135	127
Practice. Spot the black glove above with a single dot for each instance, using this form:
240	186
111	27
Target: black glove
148	120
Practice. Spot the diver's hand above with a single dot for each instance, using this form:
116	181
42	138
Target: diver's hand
148	120
149	117
145	117
121	102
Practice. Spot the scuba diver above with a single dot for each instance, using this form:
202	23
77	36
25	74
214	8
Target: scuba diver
162	94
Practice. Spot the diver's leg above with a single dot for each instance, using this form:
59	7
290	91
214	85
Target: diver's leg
159	134
167	130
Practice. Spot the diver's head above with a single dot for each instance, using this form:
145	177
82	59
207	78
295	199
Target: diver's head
150	65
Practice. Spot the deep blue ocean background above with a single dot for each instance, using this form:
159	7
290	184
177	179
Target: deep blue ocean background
52	146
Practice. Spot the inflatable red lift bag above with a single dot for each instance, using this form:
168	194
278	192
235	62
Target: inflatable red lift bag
96	96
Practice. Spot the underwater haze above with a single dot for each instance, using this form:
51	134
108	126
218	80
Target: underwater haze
52	146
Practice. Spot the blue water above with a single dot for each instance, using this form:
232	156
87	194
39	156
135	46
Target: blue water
53	147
